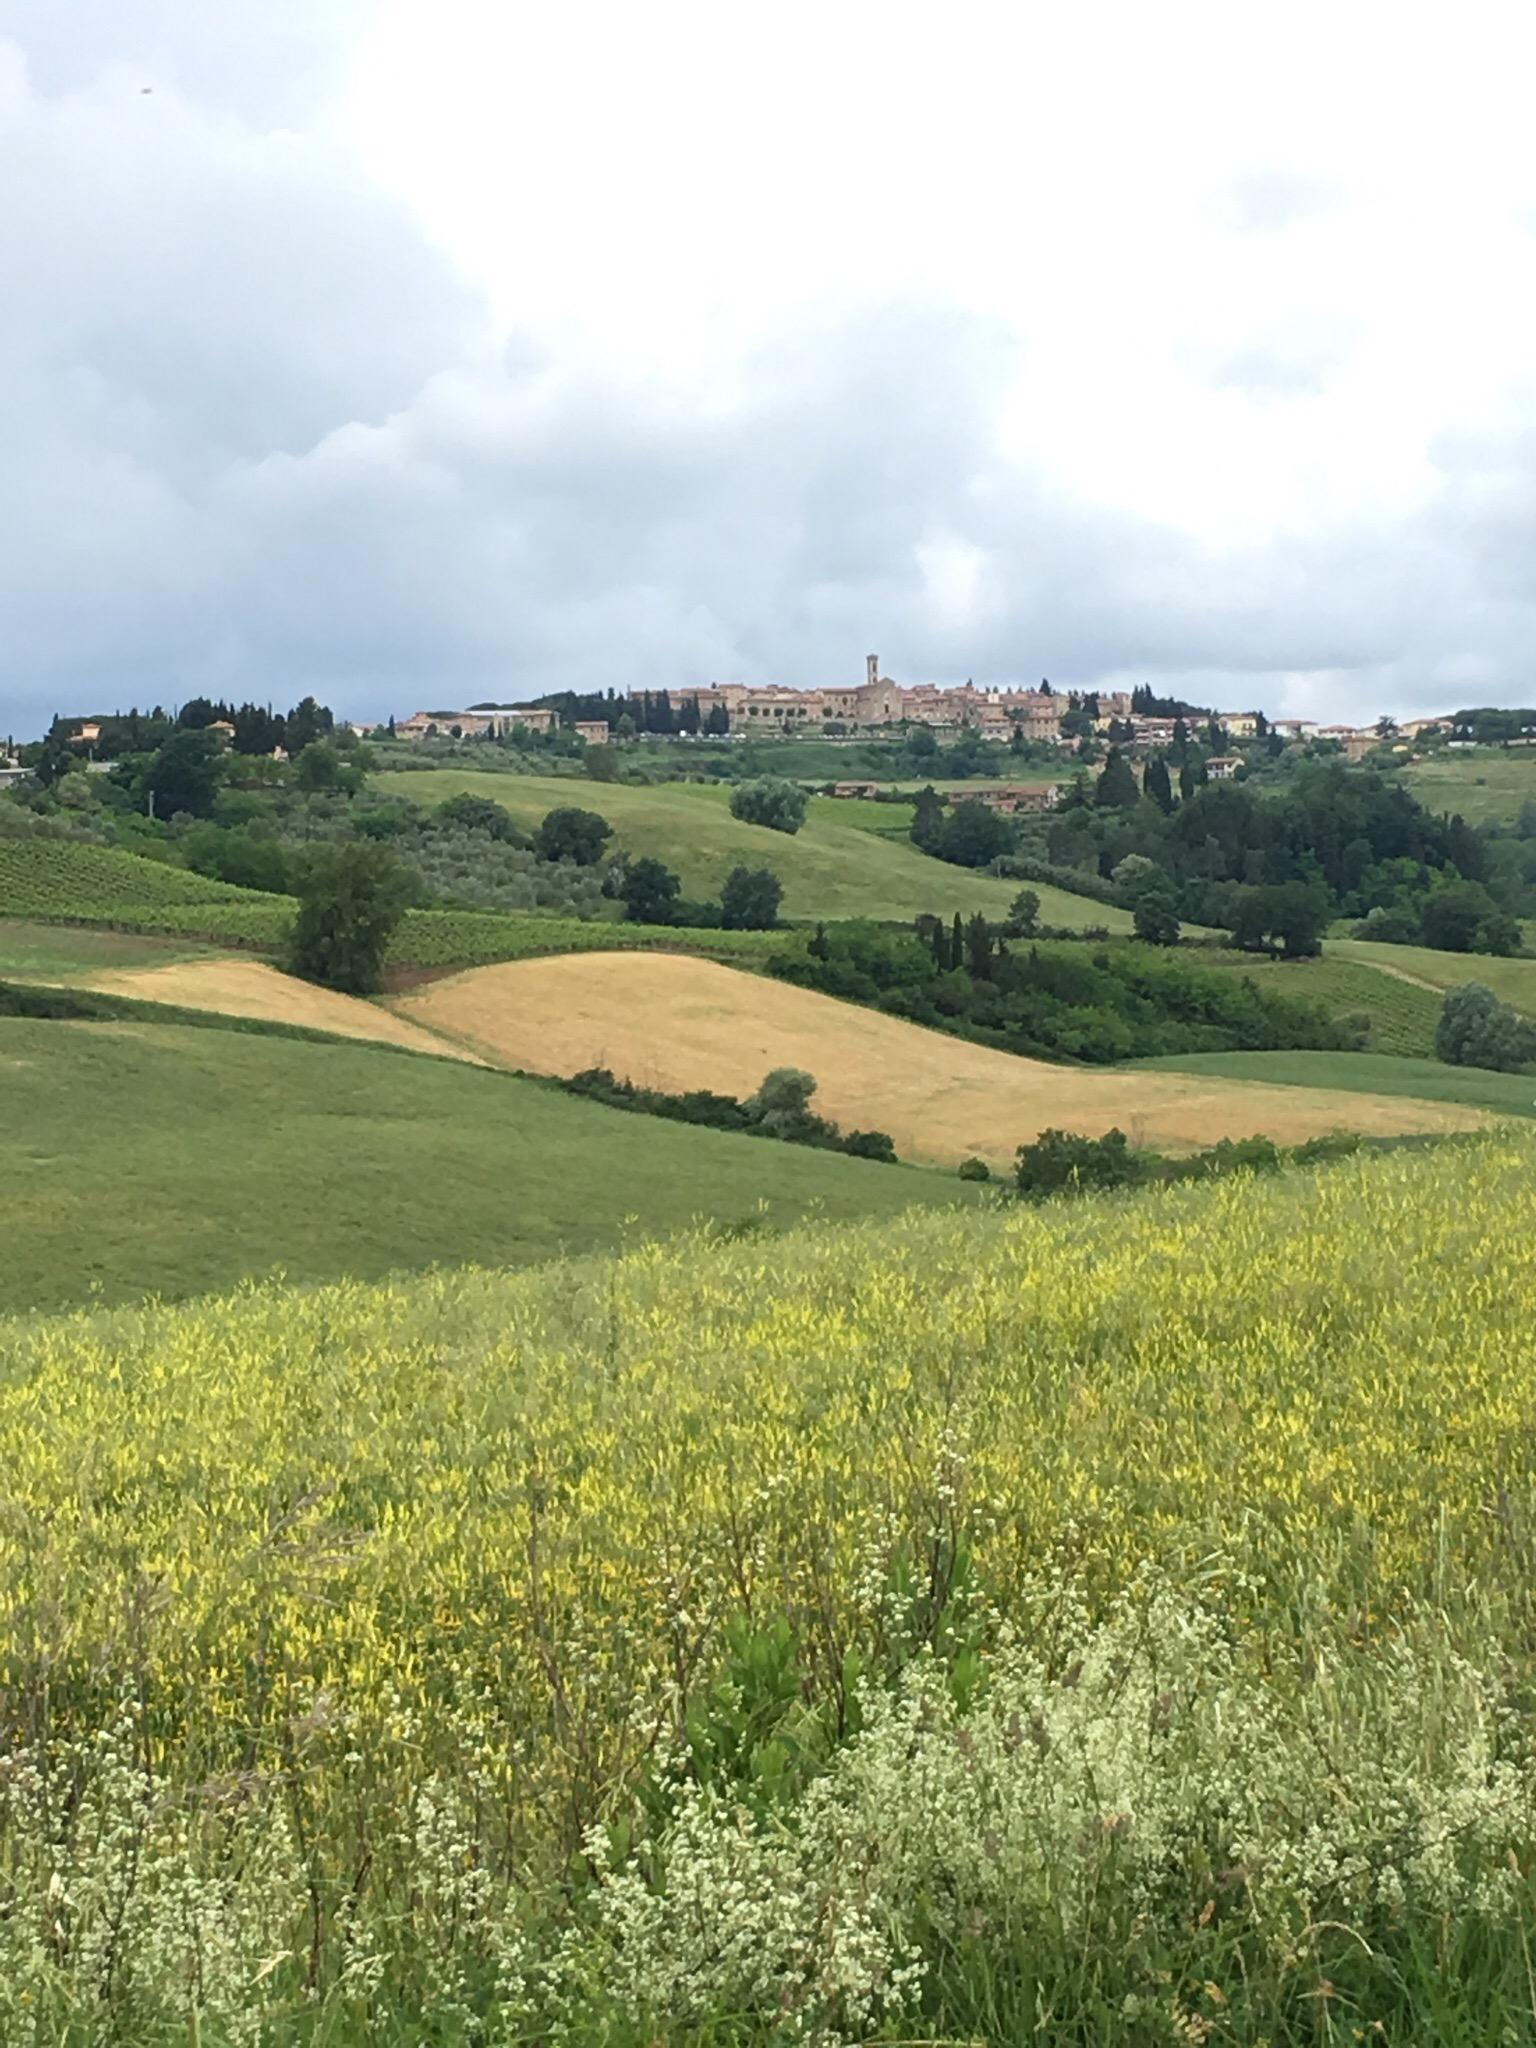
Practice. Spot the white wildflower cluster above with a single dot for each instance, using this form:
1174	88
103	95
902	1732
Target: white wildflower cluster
1098	1790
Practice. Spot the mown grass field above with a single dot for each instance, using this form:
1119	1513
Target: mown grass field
160	1159
830	869
1364	1073
665	1021
1107	1624
62	953
1486	785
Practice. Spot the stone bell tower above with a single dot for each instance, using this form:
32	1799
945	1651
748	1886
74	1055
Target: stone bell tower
871	670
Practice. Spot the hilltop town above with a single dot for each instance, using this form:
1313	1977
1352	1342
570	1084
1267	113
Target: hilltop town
1039	716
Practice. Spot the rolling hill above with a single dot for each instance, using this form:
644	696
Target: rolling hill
1364	1073
829	869
1422	967
1485	785
678	1023
162	1159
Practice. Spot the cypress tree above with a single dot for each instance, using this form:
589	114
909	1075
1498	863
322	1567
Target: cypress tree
1157	785
957	942
1117	789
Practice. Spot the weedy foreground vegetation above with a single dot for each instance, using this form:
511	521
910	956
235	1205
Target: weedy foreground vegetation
1101	1624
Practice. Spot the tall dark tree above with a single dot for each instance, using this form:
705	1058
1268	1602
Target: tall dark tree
927	819
305	722
749	900
1116	789
650	891
184	775
1157	785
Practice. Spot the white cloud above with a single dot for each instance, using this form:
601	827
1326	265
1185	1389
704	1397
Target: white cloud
415	353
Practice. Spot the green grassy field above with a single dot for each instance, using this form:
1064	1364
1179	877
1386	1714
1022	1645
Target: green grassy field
1486	785
159	1159
1402	1017
1513	980
1103	1626
830	869
61	952
1365	1073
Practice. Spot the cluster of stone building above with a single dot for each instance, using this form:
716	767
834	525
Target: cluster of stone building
493	725
878	702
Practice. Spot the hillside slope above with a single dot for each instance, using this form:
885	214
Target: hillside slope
984	1581
159	1158
678	1023
829	869
249	988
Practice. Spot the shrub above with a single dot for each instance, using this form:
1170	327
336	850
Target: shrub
871	1145
1389	926
1477	1030
770	801
975	1169
1063	1162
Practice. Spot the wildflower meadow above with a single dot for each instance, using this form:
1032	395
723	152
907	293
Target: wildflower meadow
1103	1623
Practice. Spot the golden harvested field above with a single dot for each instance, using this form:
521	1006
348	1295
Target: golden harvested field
666	1021
248	988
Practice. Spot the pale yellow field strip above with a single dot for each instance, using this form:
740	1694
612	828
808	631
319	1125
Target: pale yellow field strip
249	988
667	1021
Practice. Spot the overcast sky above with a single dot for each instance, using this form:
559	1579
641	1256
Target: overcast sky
417	353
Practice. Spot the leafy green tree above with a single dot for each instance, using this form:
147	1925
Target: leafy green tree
321	767
974	836
1116	788
770	801
649	892
1156	916
55	759
479	814
349	906
570	833
1024	914
781	1107
750	899
1135	875
1461	917
1476	1030
601	764
184	775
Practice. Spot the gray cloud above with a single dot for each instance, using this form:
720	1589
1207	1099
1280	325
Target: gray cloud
257	441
